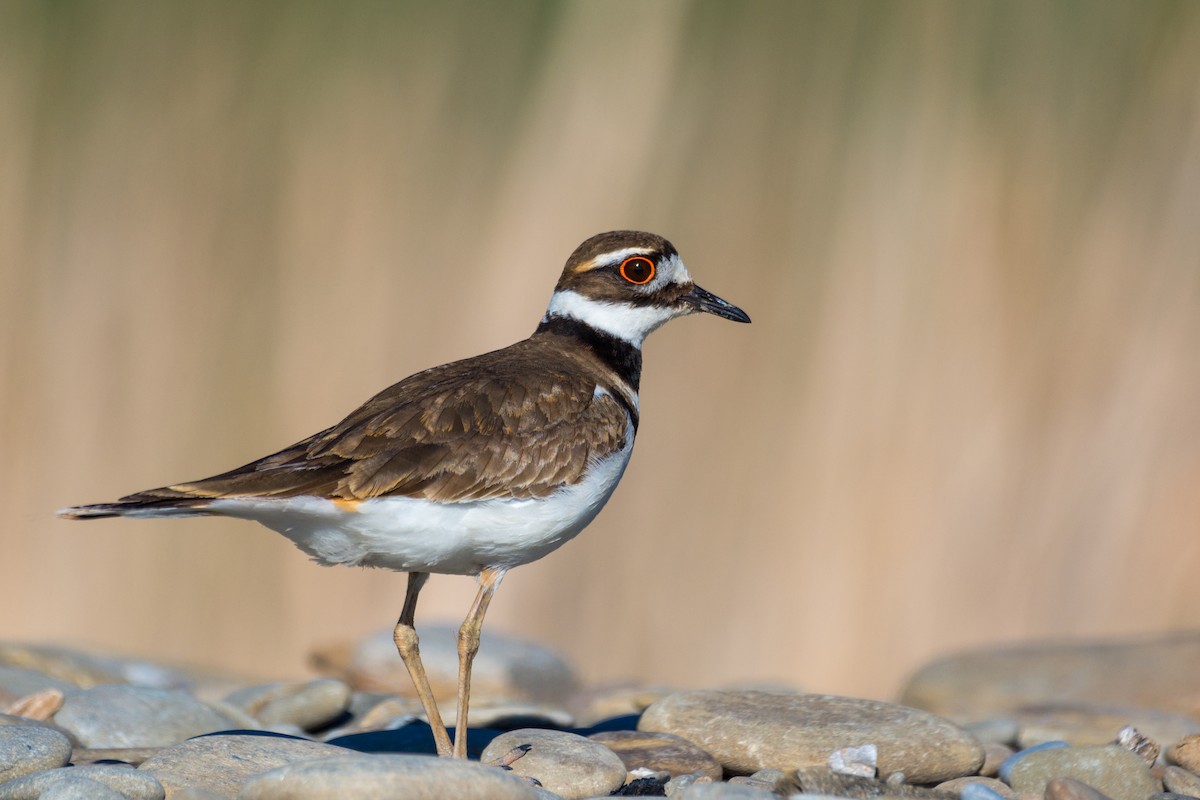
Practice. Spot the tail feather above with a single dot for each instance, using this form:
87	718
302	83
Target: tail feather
130	507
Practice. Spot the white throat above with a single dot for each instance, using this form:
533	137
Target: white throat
627	322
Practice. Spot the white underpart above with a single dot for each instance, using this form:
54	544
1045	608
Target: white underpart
414	535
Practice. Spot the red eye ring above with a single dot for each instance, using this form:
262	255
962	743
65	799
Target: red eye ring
638	270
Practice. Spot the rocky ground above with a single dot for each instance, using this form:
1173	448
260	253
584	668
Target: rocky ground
1065	722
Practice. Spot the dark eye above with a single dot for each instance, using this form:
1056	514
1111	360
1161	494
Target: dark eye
639	270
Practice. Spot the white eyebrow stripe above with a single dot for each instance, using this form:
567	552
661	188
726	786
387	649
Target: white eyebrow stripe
615	257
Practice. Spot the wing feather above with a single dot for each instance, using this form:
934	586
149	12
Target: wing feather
455	433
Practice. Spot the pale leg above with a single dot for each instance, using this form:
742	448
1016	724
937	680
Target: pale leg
406	642
468	646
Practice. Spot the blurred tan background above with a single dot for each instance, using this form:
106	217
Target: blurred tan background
968	409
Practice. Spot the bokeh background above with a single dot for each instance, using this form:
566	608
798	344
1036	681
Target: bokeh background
967	412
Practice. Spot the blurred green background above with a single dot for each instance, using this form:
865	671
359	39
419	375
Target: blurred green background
968	409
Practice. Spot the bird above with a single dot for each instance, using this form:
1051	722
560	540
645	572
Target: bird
476	466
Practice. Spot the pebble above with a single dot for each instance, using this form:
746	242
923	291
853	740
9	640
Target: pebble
1185	752
660	752
970	786
1113	770
310	706
8	720
506	669
1005	768
564	763
1071	789
76	788
134	716
676	785
1144	672
994	754
126	781
980	791
593	705
411	777
724	791
222	763
1181	781
31	748
128	755
18	682
749	730
998	730
1081	725
60	667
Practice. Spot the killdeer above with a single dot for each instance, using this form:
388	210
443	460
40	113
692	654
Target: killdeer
473	467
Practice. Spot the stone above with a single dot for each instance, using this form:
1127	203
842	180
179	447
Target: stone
1185	752
192	793
675	786
1181	781
59	667
1005	769
8	720
959	786
1071	789
134	716
861	761
1157	672
222	763
749	730
663	752
129	755
31	748
40	706
564	763
593	705
1098	725
998	730
824	781
126	781
77	788
411	777
985	791
18	682
775	781
723	791
310	705
994	754
506	669
1111	769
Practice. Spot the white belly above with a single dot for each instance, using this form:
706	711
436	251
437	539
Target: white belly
413	535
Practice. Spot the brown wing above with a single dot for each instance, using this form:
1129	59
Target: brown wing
464	431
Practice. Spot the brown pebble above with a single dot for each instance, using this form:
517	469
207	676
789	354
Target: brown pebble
822	780
1071	789
40	706
661	752
1186	753
1181	781
994	754
956	786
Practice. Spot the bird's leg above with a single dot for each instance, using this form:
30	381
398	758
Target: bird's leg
405	637
468	646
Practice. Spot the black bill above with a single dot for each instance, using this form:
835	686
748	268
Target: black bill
701	300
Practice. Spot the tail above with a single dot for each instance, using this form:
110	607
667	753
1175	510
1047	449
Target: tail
139	505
